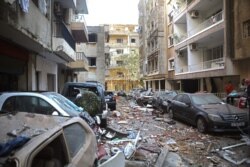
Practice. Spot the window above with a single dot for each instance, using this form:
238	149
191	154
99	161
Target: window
119	51
120	74
29	104
170	17
246	29
119	40
119	63
53	153
75	137
92	61
133	40
170	40
43	6
171	64
93	37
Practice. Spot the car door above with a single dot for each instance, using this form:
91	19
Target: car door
177	106
187	109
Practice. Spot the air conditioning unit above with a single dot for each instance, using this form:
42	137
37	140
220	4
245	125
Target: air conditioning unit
58	9
193	46
194	13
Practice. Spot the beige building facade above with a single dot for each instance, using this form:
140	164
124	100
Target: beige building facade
94	50
122	57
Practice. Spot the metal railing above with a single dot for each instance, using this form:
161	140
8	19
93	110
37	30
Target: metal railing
82	56
206	65
61	31
207	23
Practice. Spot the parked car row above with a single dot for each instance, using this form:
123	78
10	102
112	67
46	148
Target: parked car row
204	110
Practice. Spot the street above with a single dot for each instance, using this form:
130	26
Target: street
165	142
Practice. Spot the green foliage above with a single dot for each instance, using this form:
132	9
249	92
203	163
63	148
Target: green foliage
90	102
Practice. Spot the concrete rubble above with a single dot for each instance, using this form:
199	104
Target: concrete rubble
149	138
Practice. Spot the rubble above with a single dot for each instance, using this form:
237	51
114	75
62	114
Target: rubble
149	138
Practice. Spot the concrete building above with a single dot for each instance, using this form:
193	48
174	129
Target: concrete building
38	43
153	62
241	37
122	57
205	46
95	52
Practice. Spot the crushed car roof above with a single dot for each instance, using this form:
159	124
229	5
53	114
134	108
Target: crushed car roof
36	127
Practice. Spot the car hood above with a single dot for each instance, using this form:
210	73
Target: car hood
221	109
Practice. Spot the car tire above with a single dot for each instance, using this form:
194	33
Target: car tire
170	113
201	125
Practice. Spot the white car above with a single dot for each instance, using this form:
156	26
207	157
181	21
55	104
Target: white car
36	140
48	103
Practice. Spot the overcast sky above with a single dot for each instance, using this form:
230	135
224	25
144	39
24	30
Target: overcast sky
112	12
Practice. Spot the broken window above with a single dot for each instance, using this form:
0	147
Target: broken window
133	40
92	61
75	137
93	37
246	29
119	40
119	51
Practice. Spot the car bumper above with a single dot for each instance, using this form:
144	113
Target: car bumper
227	127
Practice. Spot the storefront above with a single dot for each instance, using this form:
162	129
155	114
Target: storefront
13	67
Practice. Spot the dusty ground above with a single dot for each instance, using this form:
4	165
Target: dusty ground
183	143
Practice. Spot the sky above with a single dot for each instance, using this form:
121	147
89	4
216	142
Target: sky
112	12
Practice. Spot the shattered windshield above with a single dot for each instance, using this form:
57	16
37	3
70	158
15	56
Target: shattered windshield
205	99
65	104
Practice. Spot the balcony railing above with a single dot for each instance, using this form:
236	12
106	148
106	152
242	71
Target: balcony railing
179	38
207	23
61	31
79	18
81	56
178	10
206	65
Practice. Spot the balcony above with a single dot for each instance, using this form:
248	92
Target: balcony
63	42
81	63
67	4
203	66
79	28
207	23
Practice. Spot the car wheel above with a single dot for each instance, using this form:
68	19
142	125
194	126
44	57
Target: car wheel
170	113
201	125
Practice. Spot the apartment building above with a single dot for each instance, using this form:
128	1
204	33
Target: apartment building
201	35
153	61
122	57
206	44
95	52
38	43
241	37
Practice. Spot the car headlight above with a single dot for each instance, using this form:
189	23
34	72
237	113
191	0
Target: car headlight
214	117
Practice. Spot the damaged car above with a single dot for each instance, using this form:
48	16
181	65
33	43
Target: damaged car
34	140
161	98
207	112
